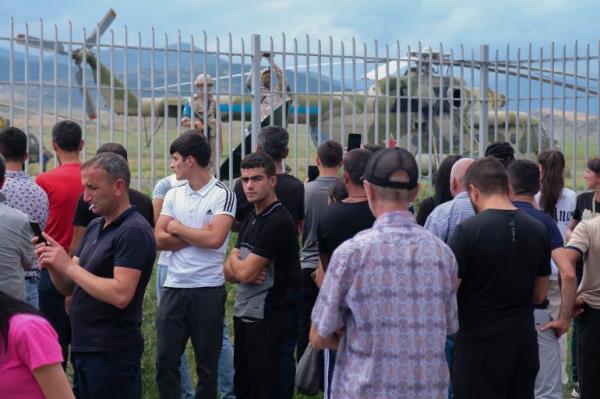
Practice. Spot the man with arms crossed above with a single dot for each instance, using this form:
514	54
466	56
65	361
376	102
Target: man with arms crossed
194	224
503	260
264	257
107	280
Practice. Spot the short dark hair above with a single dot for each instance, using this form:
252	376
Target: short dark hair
67	135
115	148
524	177
593	164
337	191
330	153
115	166
192	144
273	140
502	151
13	144
2	168
259	160
488	175
355	162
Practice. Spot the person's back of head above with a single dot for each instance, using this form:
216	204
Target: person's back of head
115	166
552	163
273	140
115	148
337	192
67	136
457	175
355	163
392	174
441	179
524	177
488	175
13	144
502	151
330	154
192	144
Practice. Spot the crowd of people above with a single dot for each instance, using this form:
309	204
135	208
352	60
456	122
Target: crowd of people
470	298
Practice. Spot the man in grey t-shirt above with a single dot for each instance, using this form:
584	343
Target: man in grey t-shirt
329	162
16	249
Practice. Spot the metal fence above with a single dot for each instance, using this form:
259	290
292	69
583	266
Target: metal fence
433	101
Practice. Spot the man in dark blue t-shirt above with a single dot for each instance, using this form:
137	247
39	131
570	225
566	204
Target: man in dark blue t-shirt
107	279
525	183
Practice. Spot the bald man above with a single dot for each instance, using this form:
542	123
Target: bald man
445	217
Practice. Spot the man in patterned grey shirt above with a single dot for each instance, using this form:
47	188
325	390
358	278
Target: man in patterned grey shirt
389	296
445	217
23	194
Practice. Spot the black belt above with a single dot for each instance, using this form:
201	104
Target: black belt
543	305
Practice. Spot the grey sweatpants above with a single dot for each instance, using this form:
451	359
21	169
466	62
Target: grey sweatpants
547	382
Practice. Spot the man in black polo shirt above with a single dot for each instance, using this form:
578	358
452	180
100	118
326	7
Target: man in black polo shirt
84	215
107	280
503	258
262	261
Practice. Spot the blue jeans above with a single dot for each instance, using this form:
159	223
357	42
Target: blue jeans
31	290
108	374
226	371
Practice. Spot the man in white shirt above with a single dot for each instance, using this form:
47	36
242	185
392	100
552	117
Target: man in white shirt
194	224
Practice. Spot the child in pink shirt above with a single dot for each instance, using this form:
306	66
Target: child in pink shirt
30	356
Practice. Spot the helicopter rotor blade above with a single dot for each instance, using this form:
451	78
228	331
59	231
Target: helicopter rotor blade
90	108
36	42
104	23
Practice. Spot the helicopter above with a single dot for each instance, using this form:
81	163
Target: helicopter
417	101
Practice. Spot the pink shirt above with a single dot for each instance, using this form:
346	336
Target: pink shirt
32	343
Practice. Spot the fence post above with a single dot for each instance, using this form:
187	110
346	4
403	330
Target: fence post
256	88
483	93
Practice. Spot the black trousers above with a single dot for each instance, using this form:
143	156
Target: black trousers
195	313
310	292
256	354
589	353
52	307
502	367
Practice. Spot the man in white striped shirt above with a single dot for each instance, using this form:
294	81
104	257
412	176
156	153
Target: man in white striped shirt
194	224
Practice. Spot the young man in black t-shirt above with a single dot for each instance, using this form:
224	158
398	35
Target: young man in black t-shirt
503	260
262	262
273	141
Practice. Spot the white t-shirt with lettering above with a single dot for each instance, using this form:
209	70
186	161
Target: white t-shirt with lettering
564	212
193	267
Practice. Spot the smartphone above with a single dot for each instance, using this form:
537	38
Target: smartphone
313	172
37	232
354	140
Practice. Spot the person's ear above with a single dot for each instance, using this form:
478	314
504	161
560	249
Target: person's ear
285	154
81	143
345	177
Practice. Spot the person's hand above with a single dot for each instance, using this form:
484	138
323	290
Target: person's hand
262	276
173	227
578	308
559	326
52	254
199	124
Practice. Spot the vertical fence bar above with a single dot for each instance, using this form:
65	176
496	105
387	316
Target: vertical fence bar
508	99
598	97
472	107
365	138
218	133
319	95
387	94
11	71
178	91
26	81
409	103
152	110
139	111
564	99
376	85
575	113
462	101
552	62
41	99
496	96
419	105
330	94
398	94
243	98
440	106
229	113
540	102
452	101
112	86
587	102
126	89
483	88
98	87
307	100
528	123
165	106
70	73
353	85
430	150
256	89
343	94
518	104
84	88
55	73
296	105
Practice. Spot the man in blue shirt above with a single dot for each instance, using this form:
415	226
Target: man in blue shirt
107	280
524	181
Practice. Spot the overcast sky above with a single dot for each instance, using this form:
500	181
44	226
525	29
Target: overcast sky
467	22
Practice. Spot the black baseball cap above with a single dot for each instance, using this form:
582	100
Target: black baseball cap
384	163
